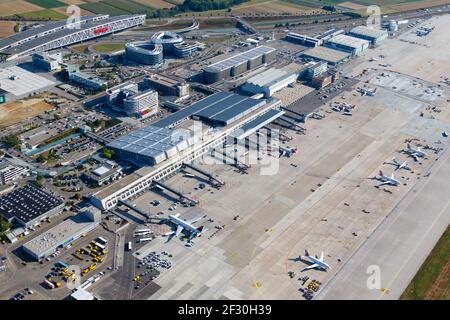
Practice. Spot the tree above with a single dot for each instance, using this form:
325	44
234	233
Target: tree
107	153
11	140
4	226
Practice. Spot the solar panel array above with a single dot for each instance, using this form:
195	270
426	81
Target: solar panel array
27	203
239	58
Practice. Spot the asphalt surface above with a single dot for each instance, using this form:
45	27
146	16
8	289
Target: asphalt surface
401	243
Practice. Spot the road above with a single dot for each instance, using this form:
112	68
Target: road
401	243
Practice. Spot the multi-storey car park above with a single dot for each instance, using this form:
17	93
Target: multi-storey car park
60	34
238	64
164	146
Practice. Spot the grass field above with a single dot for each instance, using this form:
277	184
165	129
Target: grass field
108	47
47	4
432	282
217	23
45	14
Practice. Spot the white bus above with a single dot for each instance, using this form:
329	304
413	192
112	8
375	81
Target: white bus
102	240
143	233
145	240
100	246
128	247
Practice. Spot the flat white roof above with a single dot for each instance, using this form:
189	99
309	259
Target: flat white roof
101	170
58	235
82	294
369	32
349	41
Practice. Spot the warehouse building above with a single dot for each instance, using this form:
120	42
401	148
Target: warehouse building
269	82
328	55
375	36
87	80
29	205
103	174
10	172
62	234
238	64
167	86
303	40
354	46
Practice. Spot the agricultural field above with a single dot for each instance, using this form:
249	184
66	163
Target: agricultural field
272	7
217	23
47	4
45	14
6	28
157	4
8	8
115	7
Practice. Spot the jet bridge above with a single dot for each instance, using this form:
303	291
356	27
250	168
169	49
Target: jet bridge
216	183
292	123
301	115
183	199
242	167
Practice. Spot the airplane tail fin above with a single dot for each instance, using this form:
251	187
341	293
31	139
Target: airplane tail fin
200	229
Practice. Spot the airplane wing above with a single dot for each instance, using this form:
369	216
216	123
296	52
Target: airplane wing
314	265
179	229
321	257
194	220
392	176
384	183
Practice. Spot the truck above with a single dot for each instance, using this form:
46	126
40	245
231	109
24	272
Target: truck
128	246
49	284
102	240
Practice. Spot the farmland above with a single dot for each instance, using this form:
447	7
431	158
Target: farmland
47	4
40	15
116	7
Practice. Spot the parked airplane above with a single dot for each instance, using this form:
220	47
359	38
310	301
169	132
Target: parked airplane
318	263
387	180
415	153
287	151
367	92
399	165
185	225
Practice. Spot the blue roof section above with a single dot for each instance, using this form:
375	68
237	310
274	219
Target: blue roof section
257	123
190	110
220	108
